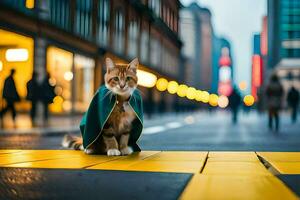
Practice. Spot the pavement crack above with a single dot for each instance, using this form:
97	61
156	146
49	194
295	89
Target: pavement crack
204	164
268	165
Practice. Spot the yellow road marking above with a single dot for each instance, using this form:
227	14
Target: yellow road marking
283	162
184	162
236	187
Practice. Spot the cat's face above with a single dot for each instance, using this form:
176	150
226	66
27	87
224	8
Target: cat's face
121	79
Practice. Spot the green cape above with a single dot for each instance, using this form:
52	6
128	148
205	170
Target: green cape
99	110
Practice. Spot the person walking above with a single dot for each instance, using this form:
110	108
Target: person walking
234	103
293	102
33	95
47	95
274	94
10	94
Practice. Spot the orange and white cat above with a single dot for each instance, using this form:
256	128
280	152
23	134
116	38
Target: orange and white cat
121	80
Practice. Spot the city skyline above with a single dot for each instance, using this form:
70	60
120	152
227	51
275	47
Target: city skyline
241	38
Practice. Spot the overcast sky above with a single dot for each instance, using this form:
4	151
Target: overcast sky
237	20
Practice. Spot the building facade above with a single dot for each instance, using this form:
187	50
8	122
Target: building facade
284	41
70	39
197	35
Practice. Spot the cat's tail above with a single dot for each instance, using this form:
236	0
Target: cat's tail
72	142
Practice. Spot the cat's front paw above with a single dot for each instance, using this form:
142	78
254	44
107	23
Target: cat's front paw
113	152
126	151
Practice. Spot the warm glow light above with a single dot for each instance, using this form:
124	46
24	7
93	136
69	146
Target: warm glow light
68	76
243	85
182	89
29	4
162	84
213	99
191	93
1	66
198	95
205	96
172	87
67	105
223	101
248	100
146	79
16	55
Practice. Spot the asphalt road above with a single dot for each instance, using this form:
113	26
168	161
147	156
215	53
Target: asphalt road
193	131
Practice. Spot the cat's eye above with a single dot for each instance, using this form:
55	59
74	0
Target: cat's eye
128	78
116	78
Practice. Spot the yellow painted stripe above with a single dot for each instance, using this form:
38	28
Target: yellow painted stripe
235	168
280	156
236	187
283	162
184	162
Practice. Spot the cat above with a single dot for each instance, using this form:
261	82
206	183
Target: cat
121	80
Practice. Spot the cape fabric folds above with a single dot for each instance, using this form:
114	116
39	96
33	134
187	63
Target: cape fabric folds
99	110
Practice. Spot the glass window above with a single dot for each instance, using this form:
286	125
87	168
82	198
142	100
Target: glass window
155	6
118	42
103	19
59	66
132	39
60	13
83	21
144	46
84	82
155	50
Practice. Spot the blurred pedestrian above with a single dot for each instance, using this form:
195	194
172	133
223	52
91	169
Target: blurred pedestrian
293	102
10	94
234	103
47	95
274	94
33	95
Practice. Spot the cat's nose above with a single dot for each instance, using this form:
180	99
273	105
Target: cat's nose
122	86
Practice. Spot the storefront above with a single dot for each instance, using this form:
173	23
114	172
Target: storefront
16	52
73	77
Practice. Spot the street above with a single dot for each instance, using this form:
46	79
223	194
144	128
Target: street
200	131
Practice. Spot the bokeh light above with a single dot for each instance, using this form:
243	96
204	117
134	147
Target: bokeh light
205	97
68	76
182	89
191	93
249	100
162	84
198	95
243	85
223	101
172	87
213	99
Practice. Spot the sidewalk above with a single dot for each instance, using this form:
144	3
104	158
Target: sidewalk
55	125
149	175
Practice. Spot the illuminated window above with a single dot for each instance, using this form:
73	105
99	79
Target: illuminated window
24	67
119	32
84	82
132	38
103	18
59	66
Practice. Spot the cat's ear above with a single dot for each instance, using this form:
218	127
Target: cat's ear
134	64
109	64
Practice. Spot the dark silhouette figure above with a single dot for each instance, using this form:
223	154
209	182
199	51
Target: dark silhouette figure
234	103
274	93
33	95
47	95
293	102
10	94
